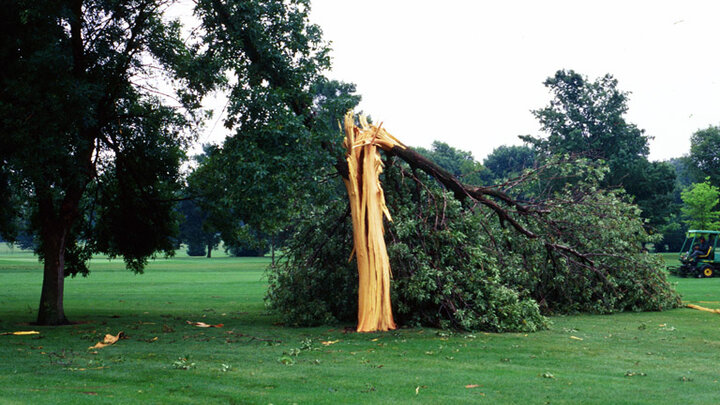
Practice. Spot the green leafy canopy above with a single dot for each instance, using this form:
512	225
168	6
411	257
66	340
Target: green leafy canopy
587	118
701	208
91	147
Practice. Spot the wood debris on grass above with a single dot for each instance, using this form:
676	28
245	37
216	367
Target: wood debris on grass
87	368
21	333
108	340
367	206
205	325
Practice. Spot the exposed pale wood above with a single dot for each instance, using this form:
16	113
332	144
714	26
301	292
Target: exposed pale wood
367	207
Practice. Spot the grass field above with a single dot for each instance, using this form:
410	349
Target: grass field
666	357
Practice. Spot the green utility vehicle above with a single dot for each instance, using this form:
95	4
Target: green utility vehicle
698	259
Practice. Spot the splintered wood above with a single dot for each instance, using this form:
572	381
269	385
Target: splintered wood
367	205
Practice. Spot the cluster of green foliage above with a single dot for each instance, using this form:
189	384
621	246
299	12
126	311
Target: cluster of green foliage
87	153
586	118
277	110
701	206
704	156
257	179
696	175
315	283
461	268
616	272
459	163
506	162
444	275
193	232
503	163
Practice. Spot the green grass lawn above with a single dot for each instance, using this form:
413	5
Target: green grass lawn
662	357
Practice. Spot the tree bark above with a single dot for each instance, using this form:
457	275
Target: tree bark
272	251
55	225
209	250
51	310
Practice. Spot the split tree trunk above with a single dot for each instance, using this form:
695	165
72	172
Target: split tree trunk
367	206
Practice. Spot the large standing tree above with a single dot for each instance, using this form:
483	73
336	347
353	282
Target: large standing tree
704	158
90	148
269	163
587	118
701	206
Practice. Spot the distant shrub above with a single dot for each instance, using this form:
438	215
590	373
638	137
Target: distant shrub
247	251
196	249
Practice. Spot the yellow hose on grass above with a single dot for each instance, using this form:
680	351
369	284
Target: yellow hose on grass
698	307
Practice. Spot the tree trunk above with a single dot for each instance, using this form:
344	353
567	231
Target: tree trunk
51	311
209	250
367	206
55	225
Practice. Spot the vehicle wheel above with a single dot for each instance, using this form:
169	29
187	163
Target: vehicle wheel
707	271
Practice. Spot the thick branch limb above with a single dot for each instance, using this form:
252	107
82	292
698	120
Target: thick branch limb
462	191
481	194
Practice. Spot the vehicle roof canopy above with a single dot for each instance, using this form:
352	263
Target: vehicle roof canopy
692	231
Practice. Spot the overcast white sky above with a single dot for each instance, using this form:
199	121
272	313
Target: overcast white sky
469	72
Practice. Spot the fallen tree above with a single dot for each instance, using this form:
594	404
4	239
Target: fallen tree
480	258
